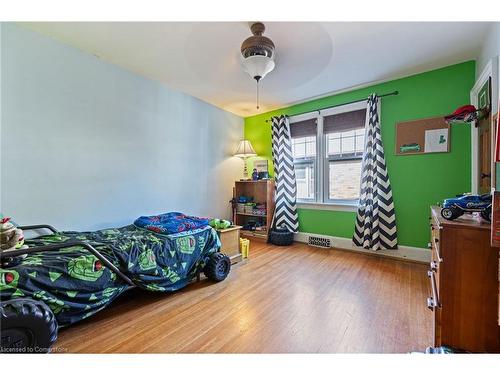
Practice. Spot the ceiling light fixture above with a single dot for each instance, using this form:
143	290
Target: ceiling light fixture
258	54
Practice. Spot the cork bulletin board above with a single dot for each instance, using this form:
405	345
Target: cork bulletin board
422	136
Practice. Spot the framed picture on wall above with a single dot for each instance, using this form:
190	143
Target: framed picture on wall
261	165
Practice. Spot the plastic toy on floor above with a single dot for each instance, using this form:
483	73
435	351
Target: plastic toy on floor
244	247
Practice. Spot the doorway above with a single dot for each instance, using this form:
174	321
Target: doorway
483	131
484	153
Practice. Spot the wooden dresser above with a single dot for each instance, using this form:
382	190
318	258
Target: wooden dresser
464	284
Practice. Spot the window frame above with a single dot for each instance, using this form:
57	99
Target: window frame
322	160
307	160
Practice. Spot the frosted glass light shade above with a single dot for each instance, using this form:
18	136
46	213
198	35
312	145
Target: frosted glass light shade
245	149
257	66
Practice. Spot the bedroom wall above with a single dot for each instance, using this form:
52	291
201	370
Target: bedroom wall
87	145
418	181
490	47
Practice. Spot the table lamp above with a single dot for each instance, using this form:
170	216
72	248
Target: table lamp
244	151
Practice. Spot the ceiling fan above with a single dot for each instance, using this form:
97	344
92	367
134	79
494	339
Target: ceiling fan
257	54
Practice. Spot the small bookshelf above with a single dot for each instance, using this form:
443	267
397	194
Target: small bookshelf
262	191
245	214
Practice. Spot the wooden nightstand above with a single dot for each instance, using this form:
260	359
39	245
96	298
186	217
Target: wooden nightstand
230	239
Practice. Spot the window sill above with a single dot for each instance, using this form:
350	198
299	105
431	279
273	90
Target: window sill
346	207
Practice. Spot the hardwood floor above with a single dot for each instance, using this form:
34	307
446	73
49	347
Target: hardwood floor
297	299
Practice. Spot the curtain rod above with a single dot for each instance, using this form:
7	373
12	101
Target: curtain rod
338	105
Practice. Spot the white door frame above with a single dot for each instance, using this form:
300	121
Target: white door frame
490	70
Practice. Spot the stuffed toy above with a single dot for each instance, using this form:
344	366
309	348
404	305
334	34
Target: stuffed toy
219	223
11	237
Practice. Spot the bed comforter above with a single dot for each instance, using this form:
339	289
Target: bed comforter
171	222
74	283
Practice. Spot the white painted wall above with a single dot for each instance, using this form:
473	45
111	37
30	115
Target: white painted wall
87	145
490	48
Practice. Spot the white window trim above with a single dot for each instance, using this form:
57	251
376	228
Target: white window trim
321	203
303	117
343	108
348	206
314	162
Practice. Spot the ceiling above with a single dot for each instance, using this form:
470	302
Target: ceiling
312	58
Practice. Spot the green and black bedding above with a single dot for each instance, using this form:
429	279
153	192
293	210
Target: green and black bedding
75	284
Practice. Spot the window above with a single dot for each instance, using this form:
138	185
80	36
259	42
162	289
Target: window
328	151
304	142
304	173
344	135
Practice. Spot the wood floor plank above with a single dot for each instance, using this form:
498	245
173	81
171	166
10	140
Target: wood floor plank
297	299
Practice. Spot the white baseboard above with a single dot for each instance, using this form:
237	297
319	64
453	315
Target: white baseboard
416	254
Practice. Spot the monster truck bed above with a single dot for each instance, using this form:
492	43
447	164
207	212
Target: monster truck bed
75	283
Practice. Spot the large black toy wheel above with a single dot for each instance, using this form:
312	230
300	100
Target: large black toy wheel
217	267
281	237
27	326
451	213
486	214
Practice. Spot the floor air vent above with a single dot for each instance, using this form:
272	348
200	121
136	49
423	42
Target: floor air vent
319	242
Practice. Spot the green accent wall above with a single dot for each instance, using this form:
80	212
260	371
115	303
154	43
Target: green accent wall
418	181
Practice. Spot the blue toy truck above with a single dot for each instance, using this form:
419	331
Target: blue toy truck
456	207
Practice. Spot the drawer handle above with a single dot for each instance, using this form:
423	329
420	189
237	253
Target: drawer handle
430	304
436	249
434	266
435	298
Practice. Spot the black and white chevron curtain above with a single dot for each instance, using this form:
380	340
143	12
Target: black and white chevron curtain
376	221
285	213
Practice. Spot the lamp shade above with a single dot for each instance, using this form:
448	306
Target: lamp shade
257	66
245	149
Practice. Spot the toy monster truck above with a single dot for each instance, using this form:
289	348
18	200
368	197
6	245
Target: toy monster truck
467	203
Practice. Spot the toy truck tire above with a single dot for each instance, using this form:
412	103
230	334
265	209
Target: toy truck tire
28	326
451	213
217	267
486	214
